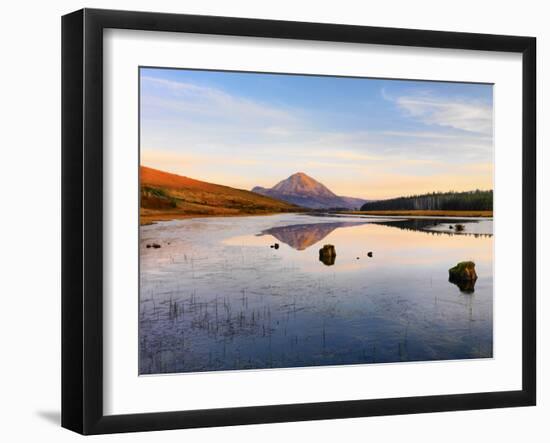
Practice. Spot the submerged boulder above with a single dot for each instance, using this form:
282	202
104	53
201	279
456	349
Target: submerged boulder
464	276
327	255
466	286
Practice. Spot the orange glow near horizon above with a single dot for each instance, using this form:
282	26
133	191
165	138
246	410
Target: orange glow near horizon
368	185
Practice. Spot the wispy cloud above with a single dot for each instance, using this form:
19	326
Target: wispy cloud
471	116
436	135
207	102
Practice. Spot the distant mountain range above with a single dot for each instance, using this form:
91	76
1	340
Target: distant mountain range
302	190
166	196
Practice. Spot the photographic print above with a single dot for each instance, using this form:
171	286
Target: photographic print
294	221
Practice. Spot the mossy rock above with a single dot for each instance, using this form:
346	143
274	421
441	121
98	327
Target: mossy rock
463	271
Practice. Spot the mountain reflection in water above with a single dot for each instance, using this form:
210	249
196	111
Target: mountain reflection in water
303	236
477	228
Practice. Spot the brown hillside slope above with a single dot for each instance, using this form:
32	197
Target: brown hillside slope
167	196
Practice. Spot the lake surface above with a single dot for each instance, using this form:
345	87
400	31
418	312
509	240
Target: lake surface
217	294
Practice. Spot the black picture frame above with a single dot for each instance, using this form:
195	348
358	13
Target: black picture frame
82	219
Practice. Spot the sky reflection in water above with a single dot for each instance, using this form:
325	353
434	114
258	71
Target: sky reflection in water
217	297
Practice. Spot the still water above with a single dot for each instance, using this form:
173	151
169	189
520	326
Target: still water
219	295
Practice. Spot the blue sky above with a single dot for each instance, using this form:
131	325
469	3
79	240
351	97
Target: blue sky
369	138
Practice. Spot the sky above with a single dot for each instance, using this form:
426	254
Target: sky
360	137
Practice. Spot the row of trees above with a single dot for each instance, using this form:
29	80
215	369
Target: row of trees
444	201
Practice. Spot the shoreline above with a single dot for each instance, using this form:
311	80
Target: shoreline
150	219
424	213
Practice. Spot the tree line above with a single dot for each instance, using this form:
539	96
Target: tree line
451	201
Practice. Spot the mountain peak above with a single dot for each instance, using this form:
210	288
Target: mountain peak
302	190
302	184
302	176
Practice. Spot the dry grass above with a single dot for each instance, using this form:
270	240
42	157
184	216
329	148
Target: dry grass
166	196
432	213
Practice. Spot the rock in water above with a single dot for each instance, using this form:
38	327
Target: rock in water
466	286
327	255
465	270
464	276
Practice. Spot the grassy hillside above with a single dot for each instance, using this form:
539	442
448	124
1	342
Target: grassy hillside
166	196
